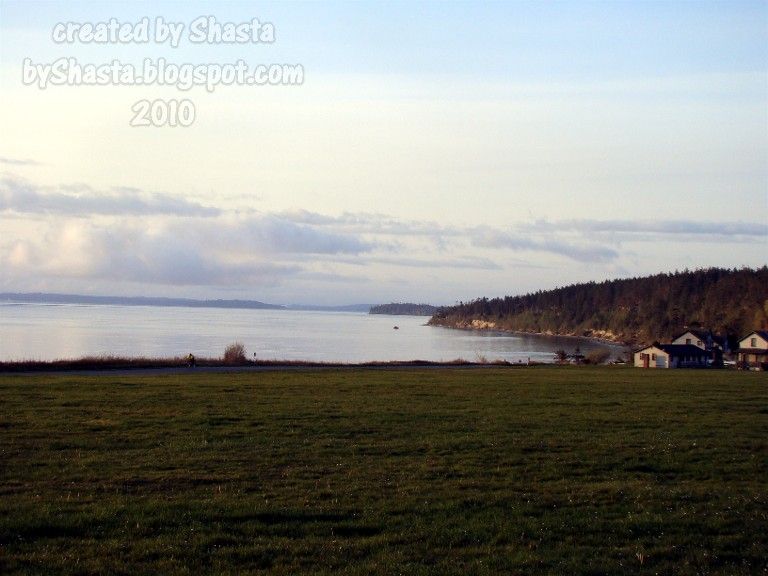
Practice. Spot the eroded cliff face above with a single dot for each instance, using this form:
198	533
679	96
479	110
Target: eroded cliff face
607	335
481	324
466	324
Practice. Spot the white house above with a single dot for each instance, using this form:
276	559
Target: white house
753	351
706	340
671	356
701	338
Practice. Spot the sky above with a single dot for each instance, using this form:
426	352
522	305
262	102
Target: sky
432	152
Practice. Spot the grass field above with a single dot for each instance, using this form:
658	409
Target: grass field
483	471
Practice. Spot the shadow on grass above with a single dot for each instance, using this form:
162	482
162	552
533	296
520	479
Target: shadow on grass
97	363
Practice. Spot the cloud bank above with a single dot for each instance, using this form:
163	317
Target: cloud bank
74	233
21	196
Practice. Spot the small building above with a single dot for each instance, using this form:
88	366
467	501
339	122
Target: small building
753	351
671	356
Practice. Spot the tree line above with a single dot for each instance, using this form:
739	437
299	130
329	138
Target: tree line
404	309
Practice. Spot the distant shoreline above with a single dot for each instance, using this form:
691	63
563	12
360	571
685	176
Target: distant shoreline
47	298
50	298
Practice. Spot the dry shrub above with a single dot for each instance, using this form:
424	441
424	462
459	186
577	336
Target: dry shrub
235	354
598	356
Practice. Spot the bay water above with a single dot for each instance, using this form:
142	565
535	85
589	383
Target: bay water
66	331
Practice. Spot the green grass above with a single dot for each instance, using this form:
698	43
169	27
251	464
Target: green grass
520	471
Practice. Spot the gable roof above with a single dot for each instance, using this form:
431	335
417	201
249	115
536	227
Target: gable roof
676	349
683	350
648	347
700	334
762	333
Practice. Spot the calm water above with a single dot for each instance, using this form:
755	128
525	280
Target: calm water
48	332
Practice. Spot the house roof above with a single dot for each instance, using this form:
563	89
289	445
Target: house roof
700	334
676	349
762	333
636	350
683	350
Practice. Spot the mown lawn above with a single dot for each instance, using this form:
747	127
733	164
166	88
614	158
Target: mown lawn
484	471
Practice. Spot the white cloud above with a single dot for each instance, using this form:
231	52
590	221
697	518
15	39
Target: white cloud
18	161
21	196
579	250
653	229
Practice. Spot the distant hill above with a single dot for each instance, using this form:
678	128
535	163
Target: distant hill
404	309
342	308
633	310
43	298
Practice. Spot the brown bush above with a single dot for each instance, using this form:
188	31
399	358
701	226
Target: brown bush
235	354
598	356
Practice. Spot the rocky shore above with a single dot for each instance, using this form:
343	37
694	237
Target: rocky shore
603	336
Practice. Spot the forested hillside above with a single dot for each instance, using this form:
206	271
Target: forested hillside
404	308
634	310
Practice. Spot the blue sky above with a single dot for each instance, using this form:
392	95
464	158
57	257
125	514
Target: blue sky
434	152
522	40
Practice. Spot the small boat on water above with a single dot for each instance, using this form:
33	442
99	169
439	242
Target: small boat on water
396	328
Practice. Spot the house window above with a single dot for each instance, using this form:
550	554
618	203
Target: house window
687	340
653	356
753	343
